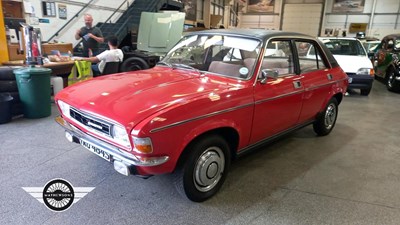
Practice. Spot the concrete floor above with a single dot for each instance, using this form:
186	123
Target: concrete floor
351	176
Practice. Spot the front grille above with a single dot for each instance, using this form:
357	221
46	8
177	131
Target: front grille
91	122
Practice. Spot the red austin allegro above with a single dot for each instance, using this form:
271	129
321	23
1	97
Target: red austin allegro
214	96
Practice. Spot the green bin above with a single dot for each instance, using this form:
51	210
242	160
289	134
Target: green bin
34	91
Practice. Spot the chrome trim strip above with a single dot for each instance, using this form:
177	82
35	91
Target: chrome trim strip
319	86
116	153
278	97
247	149
237	107
199	117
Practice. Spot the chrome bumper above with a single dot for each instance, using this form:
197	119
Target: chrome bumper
118	157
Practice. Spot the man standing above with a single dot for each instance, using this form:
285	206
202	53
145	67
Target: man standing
91	37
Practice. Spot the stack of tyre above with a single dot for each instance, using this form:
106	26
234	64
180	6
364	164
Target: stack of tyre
8	85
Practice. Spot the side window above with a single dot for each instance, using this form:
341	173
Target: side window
278	57
309	57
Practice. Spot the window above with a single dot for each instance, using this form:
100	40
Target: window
233	17
309	57
217	8
278	57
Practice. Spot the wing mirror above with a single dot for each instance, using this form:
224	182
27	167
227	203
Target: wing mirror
268	73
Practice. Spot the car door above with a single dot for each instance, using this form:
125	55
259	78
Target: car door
316	77
278	100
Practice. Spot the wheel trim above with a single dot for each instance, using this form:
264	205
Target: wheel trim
209	169
390	79
330	116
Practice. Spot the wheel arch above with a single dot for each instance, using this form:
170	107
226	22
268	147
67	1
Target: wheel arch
339	97
229	134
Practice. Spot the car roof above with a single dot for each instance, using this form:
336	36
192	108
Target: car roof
255	33
338	38
392	36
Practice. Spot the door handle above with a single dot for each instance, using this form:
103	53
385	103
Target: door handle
330	77
297	84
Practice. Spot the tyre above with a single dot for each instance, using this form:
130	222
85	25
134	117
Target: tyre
6	73
15	96
133	63
326	120
365	92
8	86
17	109
204	170
391	83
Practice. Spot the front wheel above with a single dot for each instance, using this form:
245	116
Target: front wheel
391	83
326	120
365	92
204	170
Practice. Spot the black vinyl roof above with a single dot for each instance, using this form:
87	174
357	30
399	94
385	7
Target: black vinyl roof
255	33
392	36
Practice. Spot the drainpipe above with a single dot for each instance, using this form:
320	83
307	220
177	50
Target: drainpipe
397	18
371	18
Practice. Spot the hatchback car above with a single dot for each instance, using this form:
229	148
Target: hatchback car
387	63
212	98
352	57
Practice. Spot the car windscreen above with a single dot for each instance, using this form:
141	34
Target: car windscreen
345	47
209	52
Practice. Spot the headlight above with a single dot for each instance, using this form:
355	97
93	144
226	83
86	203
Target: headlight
366	71
142	145
120	136
64	108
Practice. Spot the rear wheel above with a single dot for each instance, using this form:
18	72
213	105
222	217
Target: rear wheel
327	119
204	170
133	63
391	83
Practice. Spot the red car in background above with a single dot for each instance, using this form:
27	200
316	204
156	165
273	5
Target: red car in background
214	96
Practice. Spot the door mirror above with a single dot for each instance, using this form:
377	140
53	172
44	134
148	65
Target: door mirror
268	73
371	54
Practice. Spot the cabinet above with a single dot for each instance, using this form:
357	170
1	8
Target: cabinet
62	47
12	9
14	54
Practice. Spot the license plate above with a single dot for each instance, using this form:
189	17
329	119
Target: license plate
350	79
96	150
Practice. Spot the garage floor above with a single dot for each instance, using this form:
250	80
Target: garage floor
351	176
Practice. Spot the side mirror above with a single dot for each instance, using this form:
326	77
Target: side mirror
268	73
371	54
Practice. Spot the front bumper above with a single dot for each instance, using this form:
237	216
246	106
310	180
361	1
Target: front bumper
124	163
360	81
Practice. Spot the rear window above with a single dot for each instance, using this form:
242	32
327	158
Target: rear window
344	47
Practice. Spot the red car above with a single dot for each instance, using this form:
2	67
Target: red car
214	96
